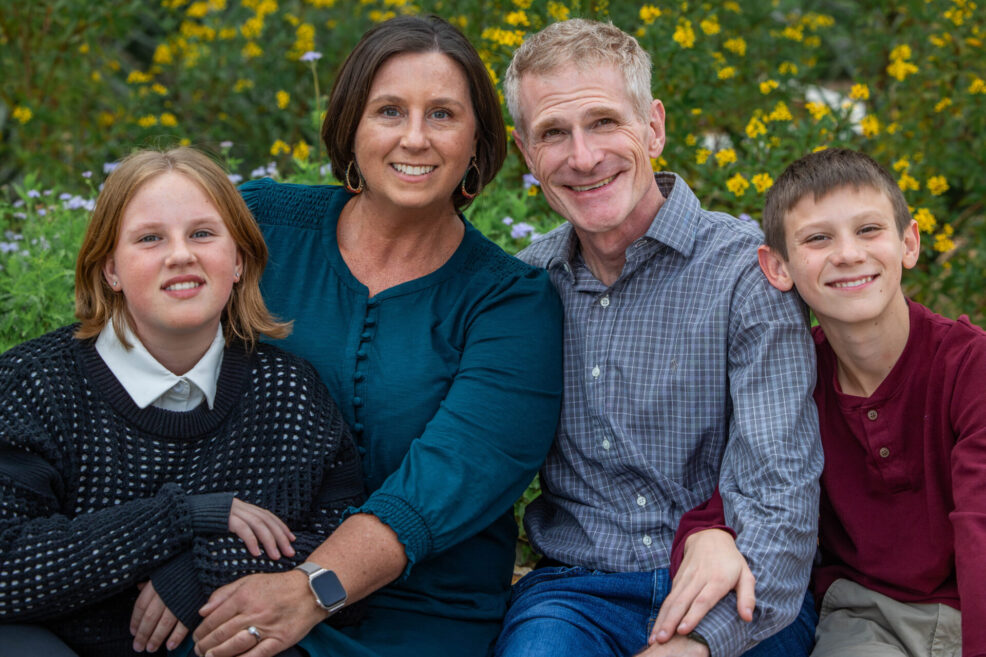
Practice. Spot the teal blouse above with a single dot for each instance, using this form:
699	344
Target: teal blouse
452	385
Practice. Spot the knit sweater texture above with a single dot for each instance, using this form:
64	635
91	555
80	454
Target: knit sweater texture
98	495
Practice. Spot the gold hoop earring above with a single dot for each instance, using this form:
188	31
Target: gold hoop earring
479	183
347	180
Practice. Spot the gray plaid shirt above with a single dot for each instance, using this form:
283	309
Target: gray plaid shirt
688	372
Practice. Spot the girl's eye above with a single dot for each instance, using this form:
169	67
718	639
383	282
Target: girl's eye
149	238
201	233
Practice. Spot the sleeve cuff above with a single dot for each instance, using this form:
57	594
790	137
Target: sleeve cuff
726	634
210	512
180	590
406	522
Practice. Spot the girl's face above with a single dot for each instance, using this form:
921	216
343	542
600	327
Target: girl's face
175	262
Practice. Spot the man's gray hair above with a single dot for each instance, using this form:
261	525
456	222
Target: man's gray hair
586	44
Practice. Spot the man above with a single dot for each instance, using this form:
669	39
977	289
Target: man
684	369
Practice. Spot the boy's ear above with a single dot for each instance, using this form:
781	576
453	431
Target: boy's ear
912	245
774	268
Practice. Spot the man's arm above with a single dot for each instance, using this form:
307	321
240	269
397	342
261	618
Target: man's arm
772	461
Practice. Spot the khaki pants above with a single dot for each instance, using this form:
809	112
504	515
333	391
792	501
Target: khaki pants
857	622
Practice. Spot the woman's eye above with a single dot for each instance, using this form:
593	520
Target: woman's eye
441	114
390	112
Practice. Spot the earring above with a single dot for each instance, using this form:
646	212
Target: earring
479	184
347	179
116	282
236	275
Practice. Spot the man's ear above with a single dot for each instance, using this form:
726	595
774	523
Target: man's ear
522	148
774	267
912	245
656	126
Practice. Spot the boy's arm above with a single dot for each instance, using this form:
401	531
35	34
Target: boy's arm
705	566
968	418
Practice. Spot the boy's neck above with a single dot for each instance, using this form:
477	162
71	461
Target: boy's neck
868	351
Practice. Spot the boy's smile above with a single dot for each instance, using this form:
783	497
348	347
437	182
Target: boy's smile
845	256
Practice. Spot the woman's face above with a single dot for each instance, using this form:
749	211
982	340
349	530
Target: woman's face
417	133
175	262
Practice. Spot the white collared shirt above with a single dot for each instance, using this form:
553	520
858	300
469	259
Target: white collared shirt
148	382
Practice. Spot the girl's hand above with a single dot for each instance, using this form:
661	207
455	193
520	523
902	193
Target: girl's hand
257	526
152	622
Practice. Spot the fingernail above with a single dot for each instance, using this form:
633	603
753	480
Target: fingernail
151	647
663	634
138	647
172	645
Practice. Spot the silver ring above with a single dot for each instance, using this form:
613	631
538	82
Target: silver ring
255	633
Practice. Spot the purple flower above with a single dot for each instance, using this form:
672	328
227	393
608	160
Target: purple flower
530	181
521	229
746	217
225	144
235	178
259	172
8	247
508	220
310	56
33	193
87	174
109	166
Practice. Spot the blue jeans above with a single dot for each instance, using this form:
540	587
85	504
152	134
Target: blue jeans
560	612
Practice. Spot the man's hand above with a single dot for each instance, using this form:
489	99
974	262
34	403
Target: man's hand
679	646
256	526
152	622
279	605
711	568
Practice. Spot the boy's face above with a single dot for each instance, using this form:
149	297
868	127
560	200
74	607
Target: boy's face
845	256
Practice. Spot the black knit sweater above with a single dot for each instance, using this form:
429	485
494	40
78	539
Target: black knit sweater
97	494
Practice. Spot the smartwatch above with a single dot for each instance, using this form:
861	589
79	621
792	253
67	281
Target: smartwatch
329	594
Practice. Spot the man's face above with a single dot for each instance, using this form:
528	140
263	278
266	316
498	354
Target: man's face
845	255
590	150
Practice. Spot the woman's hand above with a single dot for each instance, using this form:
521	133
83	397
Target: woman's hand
256	526
711	568
152	622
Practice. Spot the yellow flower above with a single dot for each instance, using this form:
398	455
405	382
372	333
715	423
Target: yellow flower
523	4
763	182
702	155
278	147
755	128
163	54
943	240
813	41
892	128
943	103
301	151
818	148
227	33
817	110
147	121
780	113
736	45
937	185
901	164
737	184
732	6
725	156
159	89
793	33
788	68
978	86
517	18
938	41
907	182
242	85
252	27
870	125
283	98
926	220
184	141
859	92
767	86
136	77
900	69
558	11
22	114
105	119
169	120
648	13
658	164
690	139
710	25
696	111
902	51
726	72
251	50
684	35
197	9
509	38
96	76
217	5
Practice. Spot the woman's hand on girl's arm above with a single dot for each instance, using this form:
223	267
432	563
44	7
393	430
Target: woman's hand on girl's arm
152	622
257	526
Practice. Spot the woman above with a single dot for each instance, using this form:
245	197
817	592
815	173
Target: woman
135	446
443	352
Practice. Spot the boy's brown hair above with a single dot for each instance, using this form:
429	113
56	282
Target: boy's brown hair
819	174
245	316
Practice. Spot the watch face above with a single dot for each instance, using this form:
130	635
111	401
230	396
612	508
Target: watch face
328	589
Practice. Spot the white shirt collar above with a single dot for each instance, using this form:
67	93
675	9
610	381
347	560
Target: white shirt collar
148	382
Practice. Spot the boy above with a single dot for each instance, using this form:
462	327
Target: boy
900	403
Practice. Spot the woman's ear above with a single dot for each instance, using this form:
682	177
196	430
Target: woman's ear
774	267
